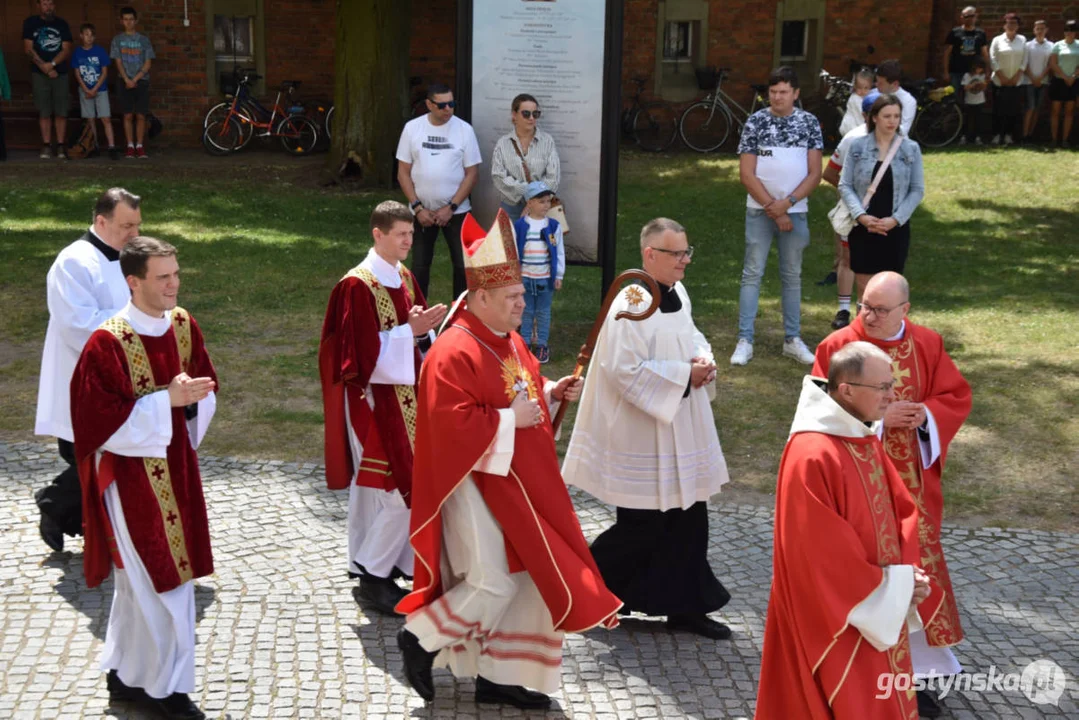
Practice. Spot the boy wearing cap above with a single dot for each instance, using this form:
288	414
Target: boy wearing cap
543	264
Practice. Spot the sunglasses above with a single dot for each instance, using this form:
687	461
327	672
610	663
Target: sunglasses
529	114
970	15
444	105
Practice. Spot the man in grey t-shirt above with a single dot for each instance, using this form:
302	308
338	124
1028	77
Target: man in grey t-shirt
133	54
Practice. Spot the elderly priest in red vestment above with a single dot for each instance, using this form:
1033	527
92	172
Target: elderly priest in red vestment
376	323
502	568
932	403
846	586
142	396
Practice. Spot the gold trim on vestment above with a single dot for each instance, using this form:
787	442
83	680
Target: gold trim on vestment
387	320
157	469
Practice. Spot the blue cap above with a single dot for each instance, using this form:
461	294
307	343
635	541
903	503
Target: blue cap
537	188
869	99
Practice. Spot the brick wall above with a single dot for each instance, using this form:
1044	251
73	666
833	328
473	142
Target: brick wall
897	29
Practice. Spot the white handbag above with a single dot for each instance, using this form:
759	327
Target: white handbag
840	216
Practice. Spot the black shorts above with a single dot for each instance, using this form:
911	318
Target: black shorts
134	100
1060	92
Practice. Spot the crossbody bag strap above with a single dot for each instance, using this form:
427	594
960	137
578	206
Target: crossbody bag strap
524	165
896	142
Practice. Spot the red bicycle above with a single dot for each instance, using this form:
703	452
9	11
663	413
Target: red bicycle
246	117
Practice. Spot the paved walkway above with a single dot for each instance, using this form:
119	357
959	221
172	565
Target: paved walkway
279	634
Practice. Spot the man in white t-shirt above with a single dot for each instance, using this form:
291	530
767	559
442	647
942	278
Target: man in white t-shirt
438	163
844	275
1038	73
889	73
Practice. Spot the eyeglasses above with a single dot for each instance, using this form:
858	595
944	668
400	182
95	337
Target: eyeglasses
679	254
881	311
529	114
883	387
444	105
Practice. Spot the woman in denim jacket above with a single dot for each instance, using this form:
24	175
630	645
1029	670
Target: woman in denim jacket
881	235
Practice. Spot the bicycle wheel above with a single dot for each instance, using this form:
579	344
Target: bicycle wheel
704	127
298	134
938	124
221	137
328	123
655	126
217	112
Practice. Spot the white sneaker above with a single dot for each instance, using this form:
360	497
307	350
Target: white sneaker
962	139
978	141
1008	140
743	352
796	349
995	140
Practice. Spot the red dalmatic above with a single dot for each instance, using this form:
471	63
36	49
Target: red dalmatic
842	513
359	308
162	499
924	373
462	386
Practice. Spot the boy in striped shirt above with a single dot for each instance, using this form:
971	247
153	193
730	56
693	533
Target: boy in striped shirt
543	263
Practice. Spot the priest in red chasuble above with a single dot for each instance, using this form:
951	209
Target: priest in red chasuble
142	396
846	586
502	568
377	322
932	403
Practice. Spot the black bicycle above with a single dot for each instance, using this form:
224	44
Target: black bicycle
652	124
940	119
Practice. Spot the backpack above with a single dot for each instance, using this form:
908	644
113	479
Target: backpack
85	144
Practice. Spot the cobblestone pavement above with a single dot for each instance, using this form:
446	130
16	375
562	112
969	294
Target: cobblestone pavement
280	635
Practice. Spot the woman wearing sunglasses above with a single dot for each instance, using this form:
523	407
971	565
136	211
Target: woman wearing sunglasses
523	155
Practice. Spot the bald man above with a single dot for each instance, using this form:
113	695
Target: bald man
964	43
932	403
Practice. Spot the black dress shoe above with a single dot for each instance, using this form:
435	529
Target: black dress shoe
700	625
842	319
829	279
51	533
515	695
178	706
418	664
118	692
928	707
381	594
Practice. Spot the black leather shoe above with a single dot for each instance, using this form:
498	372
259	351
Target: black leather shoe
418	664
829	279
928	707
118	692
842	319
381	594
700	625
178	706
515	695
51	533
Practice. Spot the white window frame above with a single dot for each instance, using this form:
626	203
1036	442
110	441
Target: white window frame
805	40
688	57
228	57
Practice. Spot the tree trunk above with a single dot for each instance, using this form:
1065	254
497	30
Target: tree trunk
371	94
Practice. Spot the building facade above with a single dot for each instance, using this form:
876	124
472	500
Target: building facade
199	42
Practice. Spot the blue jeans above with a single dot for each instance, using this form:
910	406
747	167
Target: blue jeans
538	297
514	211
760	229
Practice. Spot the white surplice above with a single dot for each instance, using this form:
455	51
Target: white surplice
637	442
378	520
83	289
489	621
150	641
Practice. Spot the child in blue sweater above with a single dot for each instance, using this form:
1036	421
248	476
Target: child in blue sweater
543	264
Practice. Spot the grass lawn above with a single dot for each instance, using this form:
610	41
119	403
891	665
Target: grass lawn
994	266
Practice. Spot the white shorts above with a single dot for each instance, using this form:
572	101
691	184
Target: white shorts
97	106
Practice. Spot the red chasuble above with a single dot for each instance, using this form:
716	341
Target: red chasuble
842	513
359	308
462	386
924	373
162	499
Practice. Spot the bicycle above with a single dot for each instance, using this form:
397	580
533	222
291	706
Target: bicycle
706	124
940	119
246	115
652	124
832	106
